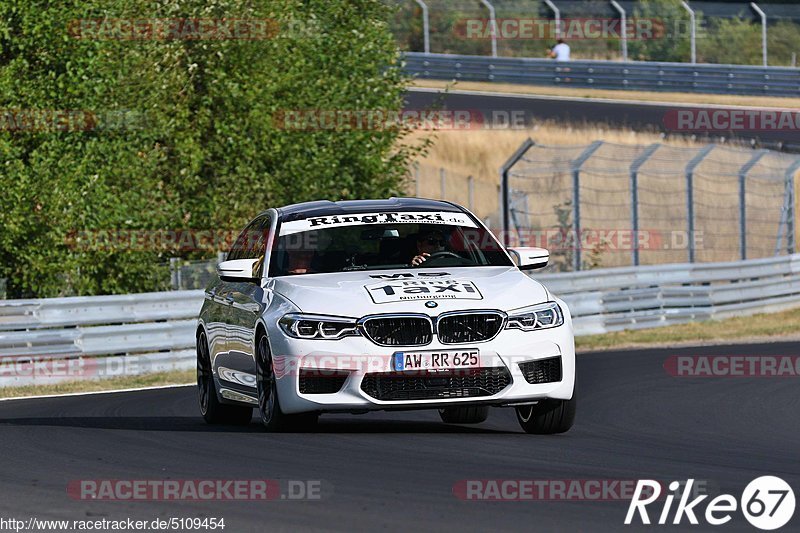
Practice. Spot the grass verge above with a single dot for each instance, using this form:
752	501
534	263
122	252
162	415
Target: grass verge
175	377
644	96
764	327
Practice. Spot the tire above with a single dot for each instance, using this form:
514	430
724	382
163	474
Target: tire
548	417
464	415
269	406
213	411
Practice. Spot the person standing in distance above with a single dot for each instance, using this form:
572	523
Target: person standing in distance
560	52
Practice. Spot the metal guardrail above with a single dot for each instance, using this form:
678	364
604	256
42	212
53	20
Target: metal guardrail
66	339
615	299
94	337
633	75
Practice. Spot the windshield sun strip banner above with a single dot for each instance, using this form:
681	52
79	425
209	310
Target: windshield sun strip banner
363	219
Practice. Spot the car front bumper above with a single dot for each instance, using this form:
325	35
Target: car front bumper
357	356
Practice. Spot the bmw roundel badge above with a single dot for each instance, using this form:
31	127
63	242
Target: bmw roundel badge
431	304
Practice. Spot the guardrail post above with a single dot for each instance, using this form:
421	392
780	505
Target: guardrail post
505	190
557	15
693	22
743	201
426	27
492	25
576	200
623	29
634	172
690	195
470	192
763	30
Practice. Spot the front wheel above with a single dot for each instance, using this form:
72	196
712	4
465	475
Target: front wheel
548	416
213	411
269	406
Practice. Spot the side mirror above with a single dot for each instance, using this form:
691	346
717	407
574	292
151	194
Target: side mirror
239	270
530	258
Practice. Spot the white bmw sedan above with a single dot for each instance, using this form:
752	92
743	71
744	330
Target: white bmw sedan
404	303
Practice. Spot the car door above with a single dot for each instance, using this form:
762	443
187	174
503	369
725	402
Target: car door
247	301
216	317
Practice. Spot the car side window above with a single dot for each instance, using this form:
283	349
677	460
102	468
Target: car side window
252	241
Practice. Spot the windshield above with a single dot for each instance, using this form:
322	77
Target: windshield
351	244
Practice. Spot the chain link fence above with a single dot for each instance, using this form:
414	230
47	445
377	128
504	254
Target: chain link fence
478	195
190	275
606	205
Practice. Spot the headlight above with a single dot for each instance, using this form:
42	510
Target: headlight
542	316
302	326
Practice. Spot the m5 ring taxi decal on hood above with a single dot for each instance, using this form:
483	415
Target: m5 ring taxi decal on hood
359	219
423	289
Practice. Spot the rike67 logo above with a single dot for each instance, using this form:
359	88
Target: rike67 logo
767	503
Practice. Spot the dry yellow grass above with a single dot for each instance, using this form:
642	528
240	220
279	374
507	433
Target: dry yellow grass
480	153
683	98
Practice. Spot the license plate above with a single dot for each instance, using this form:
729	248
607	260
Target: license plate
436	360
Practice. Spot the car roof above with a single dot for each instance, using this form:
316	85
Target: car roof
344	207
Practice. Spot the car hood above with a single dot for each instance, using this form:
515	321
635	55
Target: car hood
356	294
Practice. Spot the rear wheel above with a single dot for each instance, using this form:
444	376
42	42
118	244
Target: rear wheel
212	410
269	406
548	416
464	415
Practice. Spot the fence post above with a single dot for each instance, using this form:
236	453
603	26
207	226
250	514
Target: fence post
470	192
492	25
690	195
426	27
576	200
175	273
763	31
743	201
442	185
693	37
623	30
505	192
634	173
557	15
790	212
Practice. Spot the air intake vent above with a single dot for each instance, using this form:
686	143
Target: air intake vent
464	383
542	371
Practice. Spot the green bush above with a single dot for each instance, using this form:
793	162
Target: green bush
738	41
201	149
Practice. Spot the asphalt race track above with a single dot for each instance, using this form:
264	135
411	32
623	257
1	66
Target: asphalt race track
640	116
396	471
